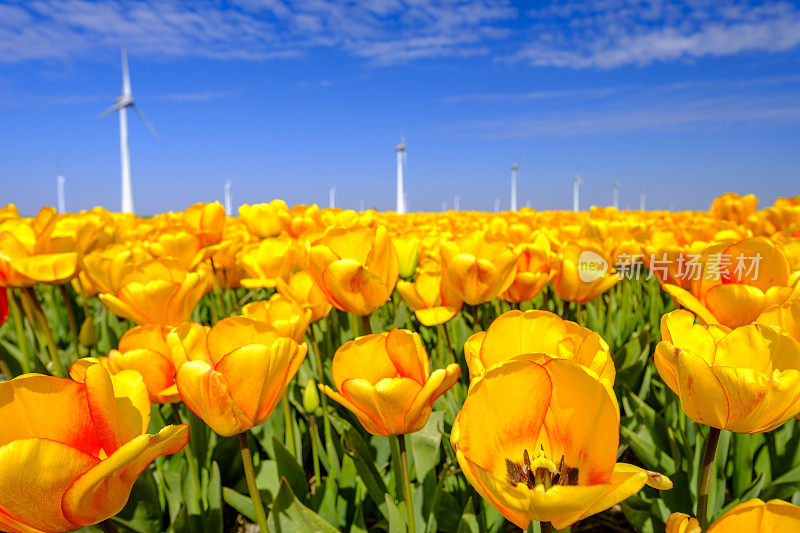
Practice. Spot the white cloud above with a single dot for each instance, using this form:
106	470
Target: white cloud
384	31
614	33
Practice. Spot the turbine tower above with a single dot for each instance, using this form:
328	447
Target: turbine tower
576	185
642	199
457	203
401	163
228	198
332	197
121	105
616	195
514	174
62	204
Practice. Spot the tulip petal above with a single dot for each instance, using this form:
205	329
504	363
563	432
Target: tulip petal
157	371
205	392
104	489
27	410
364	358
759	348
36	474
231	333
736	304
258	375
122	309
688	300
387	401
407	354
682	523
439	382
371	424
434	316
354	288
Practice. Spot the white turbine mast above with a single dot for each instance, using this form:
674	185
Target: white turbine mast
642	199
228	198
123	102
60	181
401	163
514	174
457	203
576	186
616	195
497	205
332	197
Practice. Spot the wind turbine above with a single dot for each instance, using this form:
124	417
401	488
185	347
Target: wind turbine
497	205
616	195
60	181
642	199
228	198
123	102
514	174
332	197
401	163
457	203
576	185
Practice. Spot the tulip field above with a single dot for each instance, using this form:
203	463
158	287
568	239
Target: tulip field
297	369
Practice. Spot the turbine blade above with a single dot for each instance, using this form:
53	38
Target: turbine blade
146	122
126	78
108	111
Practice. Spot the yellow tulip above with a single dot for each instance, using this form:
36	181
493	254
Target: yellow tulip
184	247
477	267
157	292
302	289
733	207
515	333
432	300
752	515
102	269
383	379
355	267
785	316
745	380
534	269
282	313
233	374
263	220
583	272
538	439
144	349
207	221
736	282
407	249
70	451
266	262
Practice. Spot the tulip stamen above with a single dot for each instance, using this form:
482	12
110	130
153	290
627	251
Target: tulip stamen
541	471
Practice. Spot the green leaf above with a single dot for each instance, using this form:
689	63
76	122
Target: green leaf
213	522
288	515
425	445
397	519
356	448
469	522
240	502
289	468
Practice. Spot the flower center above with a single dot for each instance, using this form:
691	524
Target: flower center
541	471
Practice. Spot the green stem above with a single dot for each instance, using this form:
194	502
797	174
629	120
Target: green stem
401	442
476	326
108	526
19	326
4	368
579	314
443	327
314	450
73	328
330	450
190	458
287	419
37	313
250	475
706	475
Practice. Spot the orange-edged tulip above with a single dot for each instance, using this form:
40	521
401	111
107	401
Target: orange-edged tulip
383	379
70	451
102	269
785	316
518	333
478	267
184	247
157	292
144	349
752	515
736	282
538	440
535	264
234	373
356	267
302	289
731	206
266	262
582	272
263	220
207	221
432	300
745	380
282	313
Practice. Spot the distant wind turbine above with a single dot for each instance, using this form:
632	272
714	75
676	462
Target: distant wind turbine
332	197
228	198
401	163
457	203
123	102
576	186
642	199
514	174
497	205
616	195
60	181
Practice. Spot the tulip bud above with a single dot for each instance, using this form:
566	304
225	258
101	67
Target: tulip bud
88	334
310	398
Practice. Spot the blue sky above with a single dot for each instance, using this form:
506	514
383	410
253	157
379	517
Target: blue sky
287	98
